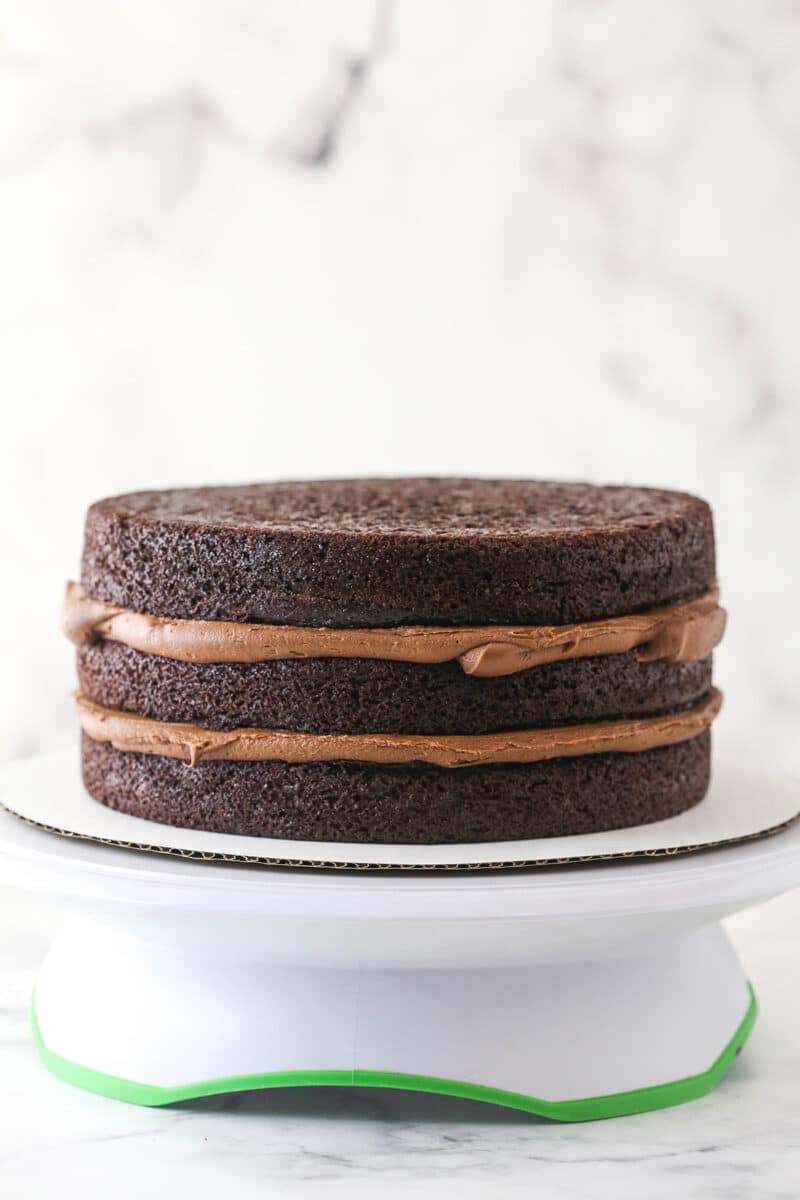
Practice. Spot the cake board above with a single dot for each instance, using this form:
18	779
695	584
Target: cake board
574	992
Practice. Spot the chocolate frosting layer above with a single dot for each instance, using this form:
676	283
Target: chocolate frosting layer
677	633
126	731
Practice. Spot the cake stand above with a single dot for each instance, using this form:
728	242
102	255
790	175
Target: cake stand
574	992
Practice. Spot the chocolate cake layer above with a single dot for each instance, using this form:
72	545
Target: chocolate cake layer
377	554
387	552
340	802
368	695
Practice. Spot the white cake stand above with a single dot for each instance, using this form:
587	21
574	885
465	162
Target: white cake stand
573	993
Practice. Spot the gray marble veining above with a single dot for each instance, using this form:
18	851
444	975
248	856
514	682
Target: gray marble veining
261	239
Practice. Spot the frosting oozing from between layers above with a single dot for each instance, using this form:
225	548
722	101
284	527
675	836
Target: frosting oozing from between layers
677	633
128	732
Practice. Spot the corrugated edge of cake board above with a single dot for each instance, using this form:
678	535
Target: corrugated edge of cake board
333	865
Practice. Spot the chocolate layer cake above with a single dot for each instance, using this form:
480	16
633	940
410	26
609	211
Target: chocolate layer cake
413	660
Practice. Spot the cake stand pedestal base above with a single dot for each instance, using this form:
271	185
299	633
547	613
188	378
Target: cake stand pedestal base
158	1019
577	992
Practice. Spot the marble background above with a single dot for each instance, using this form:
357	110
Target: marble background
262	238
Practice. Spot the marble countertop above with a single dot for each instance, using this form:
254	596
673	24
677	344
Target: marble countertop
740	1141
263	239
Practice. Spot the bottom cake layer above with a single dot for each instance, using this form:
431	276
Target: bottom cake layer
422	805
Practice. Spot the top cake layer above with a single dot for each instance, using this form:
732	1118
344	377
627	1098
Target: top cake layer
387	552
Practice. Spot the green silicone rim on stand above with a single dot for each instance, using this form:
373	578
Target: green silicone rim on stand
591	1109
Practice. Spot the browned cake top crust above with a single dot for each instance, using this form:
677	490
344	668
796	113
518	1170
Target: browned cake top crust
388	551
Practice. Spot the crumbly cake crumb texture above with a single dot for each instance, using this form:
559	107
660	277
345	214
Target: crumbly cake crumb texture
389	552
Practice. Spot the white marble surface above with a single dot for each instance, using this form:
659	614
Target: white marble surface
739	1142
264	238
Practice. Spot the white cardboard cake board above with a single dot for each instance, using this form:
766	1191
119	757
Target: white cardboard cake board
742	803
